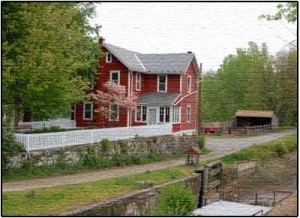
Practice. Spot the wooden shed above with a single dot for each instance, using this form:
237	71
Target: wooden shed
247	118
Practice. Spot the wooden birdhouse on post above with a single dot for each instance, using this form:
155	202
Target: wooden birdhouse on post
192	155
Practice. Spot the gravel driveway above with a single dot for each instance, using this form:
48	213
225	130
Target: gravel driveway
219	148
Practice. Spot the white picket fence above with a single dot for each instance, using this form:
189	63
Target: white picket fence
43	141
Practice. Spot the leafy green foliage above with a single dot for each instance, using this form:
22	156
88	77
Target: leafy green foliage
105	145
287	11
123	146
175	200
252	80
201	141
90	160
48	56
9	146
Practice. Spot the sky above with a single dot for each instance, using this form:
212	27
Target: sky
209	29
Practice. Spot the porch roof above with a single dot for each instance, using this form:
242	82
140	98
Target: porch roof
157	98
253	113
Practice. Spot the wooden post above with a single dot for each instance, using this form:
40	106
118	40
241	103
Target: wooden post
238	195
256	198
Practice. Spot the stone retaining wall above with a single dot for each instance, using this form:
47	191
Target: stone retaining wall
138	203
167	145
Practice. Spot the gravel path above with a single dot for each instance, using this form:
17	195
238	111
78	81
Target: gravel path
219	148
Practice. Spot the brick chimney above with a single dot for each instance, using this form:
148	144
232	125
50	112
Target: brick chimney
101	40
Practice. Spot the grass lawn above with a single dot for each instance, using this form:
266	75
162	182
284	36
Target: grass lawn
54	200
264	151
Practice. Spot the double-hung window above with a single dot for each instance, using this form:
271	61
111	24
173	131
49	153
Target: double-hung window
114	112
188	114
164	114
189	84
115	77
138	82
162	81
87	110
108	57
141	113
176	114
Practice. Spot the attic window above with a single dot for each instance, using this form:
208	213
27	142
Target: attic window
108	57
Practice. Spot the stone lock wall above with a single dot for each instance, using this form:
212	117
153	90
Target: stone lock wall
138	203
167	145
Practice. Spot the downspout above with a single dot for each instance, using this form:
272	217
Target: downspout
128	94
131	85
199	102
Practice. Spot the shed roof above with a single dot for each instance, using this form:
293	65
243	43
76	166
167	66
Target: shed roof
254	113
192	150
157	98
226	208
172	63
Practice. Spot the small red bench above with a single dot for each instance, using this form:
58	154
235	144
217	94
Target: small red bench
210	129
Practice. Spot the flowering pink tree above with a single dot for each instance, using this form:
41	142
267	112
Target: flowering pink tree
113	94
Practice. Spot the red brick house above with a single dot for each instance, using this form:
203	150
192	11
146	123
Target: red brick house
166	86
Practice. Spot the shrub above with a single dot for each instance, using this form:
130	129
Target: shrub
175	200
201	141
10	146
280	149
105	145
123	146
93	161
27	165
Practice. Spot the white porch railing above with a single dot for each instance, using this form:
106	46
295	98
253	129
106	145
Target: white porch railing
79	137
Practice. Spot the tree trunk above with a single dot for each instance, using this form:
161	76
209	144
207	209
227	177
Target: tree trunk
27	116
17	112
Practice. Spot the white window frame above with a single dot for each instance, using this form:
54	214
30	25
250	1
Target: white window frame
138	81
110	113
189	84
84	110
111	73
164	115
166	83
188	113
143	110
108	57
177	113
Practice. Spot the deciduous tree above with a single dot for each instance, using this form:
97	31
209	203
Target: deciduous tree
48	56
113	94
287	11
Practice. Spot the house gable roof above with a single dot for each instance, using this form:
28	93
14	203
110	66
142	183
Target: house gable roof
127	57
172	63
175	63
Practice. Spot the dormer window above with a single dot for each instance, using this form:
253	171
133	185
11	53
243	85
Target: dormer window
162	81
108	57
